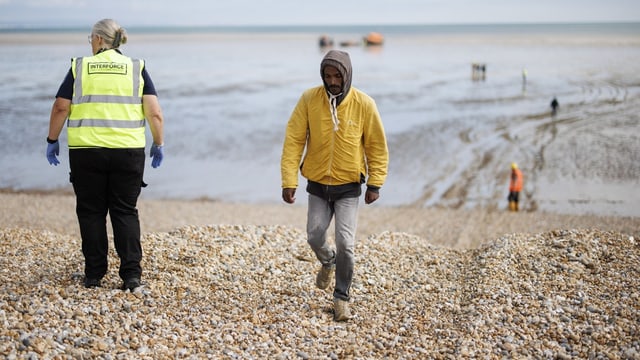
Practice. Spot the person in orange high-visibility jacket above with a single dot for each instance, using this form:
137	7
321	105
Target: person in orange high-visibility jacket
515	186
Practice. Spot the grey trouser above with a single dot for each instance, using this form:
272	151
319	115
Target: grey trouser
319	216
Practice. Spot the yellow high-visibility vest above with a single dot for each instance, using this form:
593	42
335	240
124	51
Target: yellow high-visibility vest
106	108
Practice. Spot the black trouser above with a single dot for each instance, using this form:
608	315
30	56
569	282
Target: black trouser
108	180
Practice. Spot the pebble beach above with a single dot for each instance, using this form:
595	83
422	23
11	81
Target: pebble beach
225	280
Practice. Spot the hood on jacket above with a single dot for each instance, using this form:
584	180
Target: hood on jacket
341	61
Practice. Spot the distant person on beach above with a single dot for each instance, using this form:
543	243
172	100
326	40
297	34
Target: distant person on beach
515	187
341	130
106	100
325	41
554	106
478	71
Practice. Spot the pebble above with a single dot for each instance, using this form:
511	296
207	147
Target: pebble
245	291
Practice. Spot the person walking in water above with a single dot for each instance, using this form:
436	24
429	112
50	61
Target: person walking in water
106	100
554	106
515	187
341	130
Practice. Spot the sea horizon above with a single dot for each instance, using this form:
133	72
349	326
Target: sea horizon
631	27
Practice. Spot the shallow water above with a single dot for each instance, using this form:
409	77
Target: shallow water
227	97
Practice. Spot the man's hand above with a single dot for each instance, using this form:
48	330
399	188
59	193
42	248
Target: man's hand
370	196
289	195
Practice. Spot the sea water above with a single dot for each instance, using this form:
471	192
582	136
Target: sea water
227	94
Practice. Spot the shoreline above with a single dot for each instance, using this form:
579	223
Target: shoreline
453	228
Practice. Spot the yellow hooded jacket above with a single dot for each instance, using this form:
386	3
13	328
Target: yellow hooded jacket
358	148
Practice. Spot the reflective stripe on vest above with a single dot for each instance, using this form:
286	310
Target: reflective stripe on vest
100	119
80	98
107	123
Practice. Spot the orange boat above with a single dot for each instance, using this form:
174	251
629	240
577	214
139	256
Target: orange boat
373	38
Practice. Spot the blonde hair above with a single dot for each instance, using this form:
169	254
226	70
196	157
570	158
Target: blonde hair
112	34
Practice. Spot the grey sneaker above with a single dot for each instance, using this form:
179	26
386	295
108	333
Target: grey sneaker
341	310
324	277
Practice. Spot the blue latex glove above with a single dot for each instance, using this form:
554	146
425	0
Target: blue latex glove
52	151
156	155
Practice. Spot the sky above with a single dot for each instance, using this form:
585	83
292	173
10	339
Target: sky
133	13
